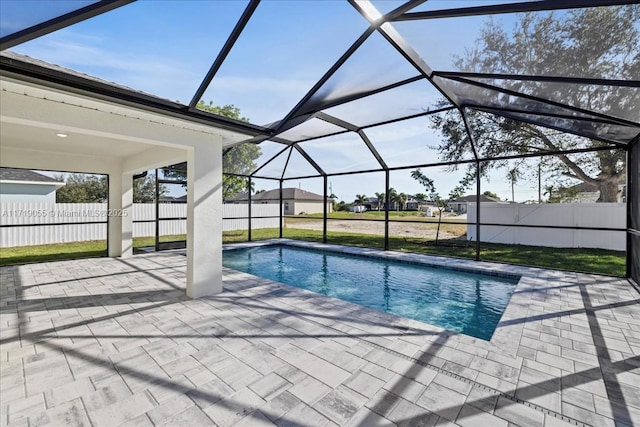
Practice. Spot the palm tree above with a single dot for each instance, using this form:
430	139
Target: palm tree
398	198
513	175
334	202
360	199
420	198
393	196
380	197
402	199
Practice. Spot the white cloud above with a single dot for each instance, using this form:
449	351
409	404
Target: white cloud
157	75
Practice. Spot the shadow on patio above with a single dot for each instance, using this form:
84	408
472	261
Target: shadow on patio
105	346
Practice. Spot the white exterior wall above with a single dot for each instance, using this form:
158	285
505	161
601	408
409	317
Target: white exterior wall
294	207
27	193
601	215
309	207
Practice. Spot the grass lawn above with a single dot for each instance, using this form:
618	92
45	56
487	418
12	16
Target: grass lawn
141	242
53	252
598	261
73	250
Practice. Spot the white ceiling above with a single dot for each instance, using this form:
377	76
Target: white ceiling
35	138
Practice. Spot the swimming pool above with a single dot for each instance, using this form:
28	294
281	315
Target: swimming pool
468	303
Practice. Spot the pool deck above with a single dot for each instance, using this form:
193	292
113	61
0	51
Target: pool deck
106	342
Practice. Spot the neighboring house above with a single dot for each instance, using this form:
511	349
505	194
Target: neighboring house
295	201
583	193
460	204
371	204
173	199
27	186
412	204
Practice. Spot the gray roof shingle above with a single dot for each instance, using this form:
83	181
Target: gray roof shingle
287	194
472	199
9	54
13	174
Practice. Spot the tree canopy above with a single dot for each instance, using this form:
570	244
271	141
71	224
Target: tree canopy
601	43
240	159
491	194
360	199
82	188
144	189
86	188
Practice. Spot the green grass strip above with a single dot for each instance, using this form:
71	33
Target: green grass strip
599	261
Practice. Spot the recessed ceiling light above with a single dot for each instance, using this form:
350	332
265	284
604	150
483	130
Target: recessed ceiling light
61	135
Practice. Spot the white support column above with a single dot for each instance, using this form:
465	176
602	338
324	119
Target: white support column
127	215
120	214
204	220
114	242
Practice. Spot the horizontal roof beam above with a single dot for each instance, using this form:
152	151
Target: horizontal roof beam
533	78
531	6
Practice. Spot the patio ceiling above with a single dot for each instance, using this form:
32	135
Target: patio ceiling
323	77
57	129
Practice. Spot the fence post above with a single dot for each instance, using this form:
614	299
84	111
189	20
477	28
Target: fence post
325	213
157	200
281	209
386	209
249	208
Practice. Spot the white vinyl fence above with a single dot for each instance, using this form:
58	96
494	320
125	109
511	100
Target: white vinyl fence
77	222
598	215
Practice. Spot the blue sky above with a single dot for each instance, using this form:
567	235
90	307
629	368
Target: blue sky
166	47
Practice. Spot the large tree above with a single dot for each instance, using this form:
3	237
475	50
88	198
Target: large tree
85	188
598	42
240	159
82	188
144	189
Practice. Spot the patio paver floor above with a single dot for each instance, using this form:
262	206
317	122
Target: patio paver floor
116	342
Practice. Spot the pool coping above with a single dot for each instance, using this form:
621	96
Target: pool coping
401	257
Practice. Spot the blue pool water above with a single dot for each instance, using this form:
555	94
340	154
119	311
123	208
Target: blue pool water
462	302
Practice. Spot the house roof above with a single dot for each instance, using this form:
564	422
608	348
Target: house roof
473	199
11	59
40	63
584	187
287	194
25	175
173	199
